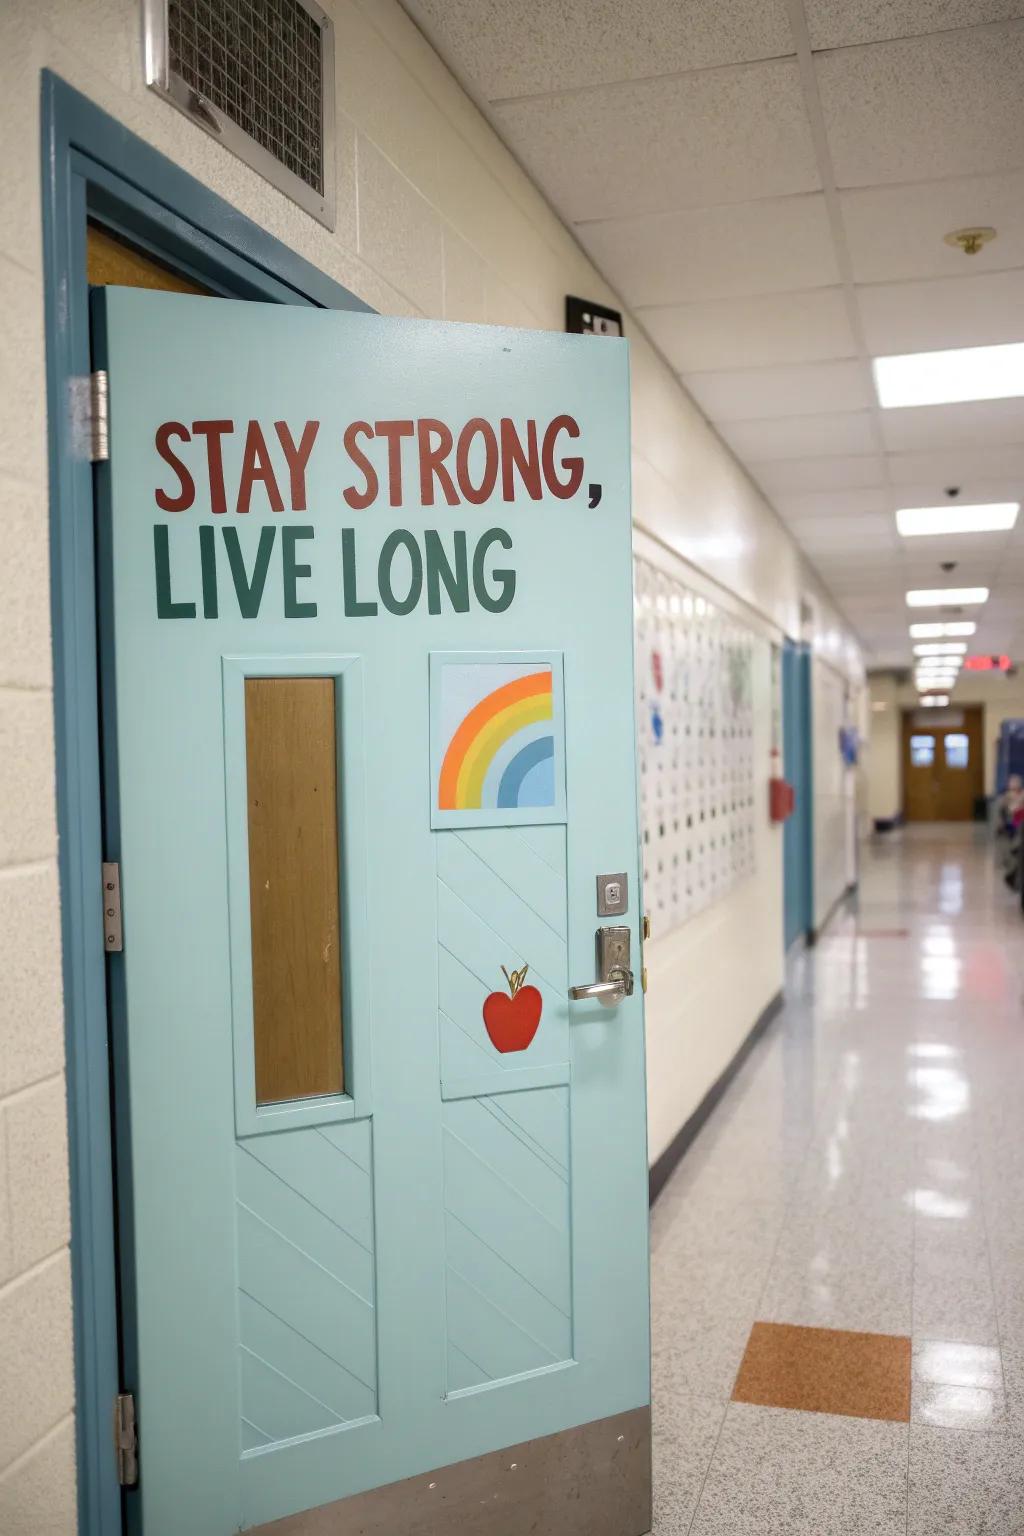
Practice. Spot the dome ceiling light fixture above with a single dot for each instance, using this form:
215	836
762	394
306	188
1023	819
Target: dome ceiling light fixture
971	240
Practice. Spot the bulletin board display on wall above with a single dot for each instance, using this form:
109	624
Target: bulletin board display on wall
695	718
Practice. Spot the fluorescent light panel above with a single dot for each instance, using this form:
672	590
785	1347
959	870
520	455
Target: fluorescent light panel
942	378
985	517
942	648
936	701
940	597
940	631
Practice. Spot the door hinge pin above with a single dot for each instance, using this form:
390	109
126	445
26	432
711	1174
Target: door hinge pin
99	416
113	937
126	1440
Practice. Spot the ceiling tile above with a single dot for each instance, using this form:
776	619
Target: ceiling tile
944	426
523	47
864	613
819	474
932	493
871	21
870	534
875	564
894	233
956	466
1006	604
861	594
791	437
824	504
743	394
971	572
753	332
946	312
946	105
727	135
774	245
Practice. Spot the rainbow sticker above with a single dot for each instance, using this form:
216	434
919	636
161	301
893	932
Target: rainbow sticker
495	724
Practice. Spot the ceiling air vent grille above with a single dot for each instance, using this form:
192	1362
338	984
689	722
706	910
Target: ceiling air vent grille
258	75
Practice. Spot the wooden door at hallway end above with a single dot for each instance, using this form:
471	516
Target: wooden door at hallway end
943	768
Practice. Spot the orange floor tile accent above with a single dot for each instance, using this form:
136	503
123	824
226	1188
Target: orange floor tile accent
826	1370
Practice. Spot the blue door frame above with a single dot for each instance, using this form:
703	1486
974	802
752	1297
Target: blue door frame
93	168
798	833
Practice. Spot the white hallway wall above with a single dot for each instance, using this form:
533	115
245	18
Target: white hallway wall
434	218
833	789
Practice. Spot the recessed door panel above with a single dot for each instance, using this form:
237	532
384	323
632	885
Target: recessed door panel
508	1256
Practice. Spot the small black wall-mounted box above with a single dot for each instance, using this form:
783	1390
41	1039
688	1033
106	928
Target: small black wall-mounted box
585	318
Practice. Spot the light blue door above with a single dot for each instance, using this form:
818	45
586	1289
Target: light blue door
798	830
434	1244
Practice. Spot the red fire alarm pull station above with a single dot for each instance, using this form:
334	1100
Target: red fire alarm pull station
781	794
781	800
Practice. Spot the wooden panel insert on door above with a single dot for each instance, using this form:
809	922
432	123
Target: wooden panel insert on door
291	757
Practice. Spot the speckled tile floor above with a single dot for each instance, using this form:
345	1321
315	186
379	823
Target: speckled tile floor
864	1172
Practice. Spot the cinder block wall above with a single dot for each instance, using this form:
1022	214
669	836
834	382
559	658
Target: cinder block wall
434	218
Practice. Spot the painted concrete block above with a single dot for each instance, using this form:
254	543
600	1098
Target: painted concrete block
37	1168
399	233
28	829
31	1012
37	1493
35	1346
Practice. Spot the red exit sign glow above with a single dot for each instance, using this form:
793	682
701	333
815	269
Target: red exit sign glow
986	663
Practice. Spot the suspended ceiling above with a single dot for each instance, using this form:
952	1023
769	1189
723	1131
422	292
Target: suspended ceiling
768	183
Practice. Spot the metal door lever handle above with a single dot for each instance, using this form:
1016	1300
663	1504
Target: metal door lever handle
606	991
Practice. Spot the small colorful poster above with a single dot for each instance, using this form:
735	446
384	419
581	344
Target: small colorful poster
496	740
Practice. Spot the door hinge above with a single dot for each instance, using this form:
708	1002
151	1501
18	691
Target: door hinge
113	938
99	416
126	1440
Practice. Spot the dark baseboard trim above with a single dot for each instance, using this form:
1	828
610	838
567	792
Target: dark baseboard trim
666	1164
814	934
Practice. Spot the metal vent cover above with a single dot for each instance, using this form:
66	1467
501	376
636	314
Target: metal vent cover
259	76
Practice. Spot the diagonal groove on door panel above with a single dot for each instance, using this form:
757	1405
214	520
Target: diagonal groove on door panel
259	1321
307	1328
265	1180
498	856
507	1237
515	1129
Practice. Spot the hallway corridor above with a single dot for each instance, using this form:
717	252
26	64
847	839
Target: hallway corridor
863	1175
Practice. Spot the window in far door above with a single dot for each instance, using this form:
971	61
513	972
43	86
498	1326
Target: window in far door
958	749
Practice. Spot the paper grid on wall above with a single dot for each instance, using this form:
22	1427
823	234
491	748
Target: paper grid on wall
696	747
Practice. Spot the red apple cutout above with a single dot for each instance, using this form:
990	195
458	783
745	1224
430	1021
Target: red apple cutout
512	1021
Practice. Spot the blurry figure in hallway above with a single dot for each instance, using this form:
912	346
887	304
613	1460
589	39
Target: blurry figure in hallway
1010	824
